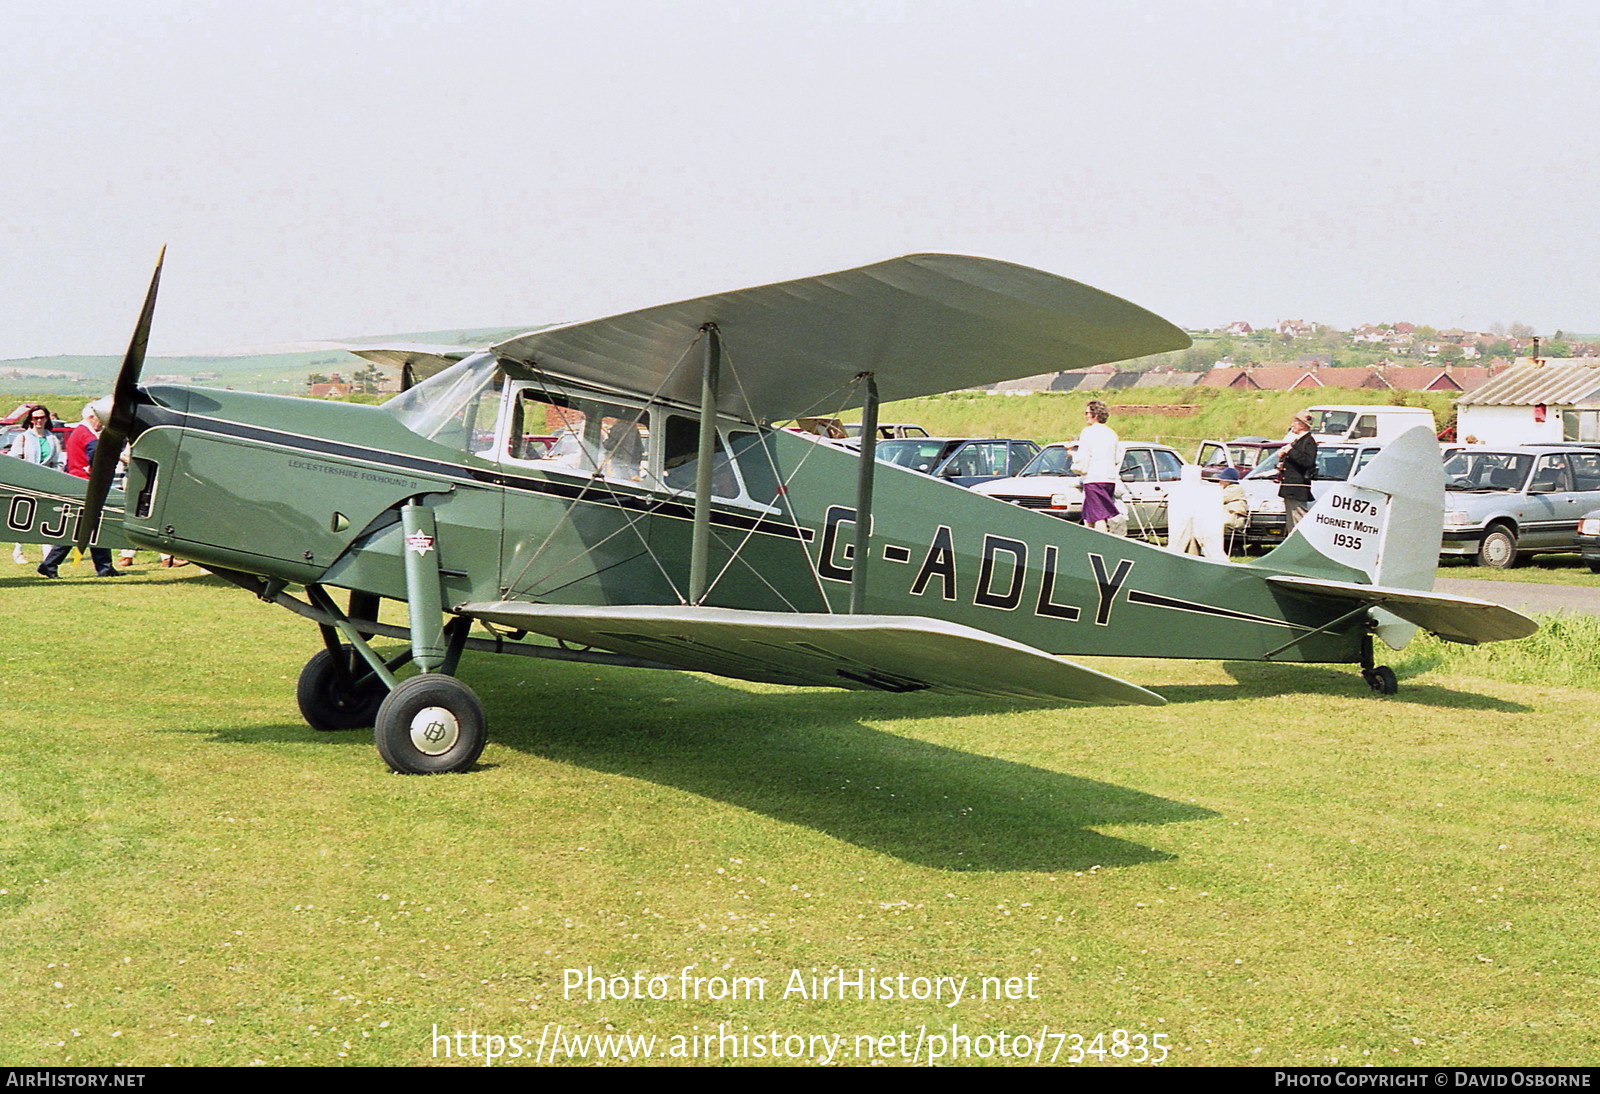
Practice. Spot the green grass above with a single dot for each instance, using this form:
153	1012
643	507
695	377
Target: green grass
1554	569
1276	868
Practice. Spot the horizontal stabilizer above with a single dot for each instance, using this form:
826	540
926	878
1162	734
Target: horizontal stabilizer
1453	618
883	652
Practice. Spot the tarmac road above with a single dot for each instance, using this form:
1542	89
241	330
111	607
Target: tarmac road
1525	596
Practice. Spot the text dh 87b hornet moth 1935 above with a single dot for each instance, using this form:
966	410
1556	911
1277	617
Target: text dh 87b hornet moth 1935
617	486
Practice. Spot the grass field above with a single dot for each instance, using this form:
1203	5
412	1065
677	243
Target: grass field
1276	868
1555	569
1218	413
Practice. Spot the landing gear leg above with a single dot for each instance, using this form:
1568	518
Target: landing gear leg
431	723
1380	678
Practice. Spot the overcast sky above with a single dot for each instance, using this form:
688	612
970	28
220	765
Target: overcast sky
336	170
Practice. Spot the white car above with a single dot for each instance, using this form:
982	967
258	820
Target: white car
1048	484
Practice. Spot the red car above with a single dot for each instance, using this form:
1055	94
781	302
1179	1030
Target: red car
17	421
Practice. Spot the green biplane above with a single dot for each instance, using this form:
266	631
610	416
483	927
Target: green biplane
615	492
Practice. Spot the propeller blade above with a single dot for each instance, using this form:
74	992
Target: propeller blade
115	430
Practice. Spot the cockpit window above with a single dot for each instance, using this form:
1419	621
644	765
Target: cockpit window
680	457
577	433
457	407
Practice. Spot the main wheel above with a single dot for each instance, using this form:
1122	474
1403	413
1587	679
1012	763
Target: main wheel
1498	549
430	724
1381	679
327	699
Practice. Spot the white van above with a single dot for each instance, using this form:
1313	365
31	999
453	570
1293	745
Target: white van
1381	424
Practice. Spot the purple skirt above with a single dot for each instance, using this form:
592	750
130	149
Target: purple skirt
1099	502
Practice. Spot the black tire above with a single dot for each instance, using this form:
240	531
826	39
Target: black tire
1381	679
328	706
430	724
1594	565
1498	548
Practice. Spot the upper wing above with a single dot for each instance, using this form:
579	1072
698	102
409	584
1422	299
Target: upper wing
1453	618
415	360
922	324
890	653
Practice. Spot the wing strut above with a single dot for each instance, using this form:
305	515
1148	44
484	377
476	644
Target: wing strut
700	545
869	461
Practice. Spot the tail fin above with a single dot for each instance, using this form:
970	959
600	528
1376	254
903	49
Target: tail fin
1380	528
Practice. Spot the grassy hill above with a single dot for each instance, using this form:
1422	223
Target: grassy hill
1156	414
279	372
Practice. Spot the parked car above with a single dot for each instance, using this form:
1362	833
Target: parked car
965	461
17	423
1242	454
888	431
1589	539
827	429
1049	484
1504	503
1266	523
9	435
1382	424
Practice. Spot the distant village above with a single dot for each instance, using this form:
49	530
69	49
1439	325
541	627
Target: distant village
1300	355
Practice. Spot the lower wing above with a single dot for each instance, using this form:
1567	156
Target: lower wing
883	652
39	505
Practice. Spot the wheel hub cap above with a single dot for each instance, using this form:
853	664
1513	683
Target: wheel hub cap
434	731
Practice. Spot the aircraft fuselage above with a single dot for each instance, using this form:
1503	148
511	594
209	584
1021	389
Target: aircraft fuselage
305	491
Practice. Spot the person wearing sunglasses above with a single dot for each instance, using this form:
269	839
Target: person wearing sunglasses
36	444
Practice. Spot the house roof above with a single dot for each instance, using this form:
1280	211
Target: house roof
1168	379
1223	377
1471	377
1352	378
1284	377
1422	378
1562	385
1041	382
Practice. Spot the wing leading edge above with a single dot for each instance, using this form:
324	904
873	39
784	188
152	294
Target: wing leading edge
886	653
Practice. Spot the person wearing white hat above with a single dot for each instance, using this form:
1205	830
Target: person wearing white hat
80	457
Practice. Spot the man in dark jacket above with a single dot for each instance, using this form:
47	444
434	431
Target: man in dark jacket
1297	466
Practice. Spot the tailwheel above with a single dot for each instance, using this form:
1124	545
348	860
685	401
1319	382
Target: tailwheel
1381	679
430	724
338	691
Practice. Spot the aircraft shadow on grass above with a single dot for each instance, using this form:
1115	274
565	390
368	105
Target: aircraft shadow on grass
806	758
1262	679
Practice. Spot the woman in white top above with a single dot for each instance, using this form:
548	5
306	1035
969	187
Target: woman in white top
1097	460
36	444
